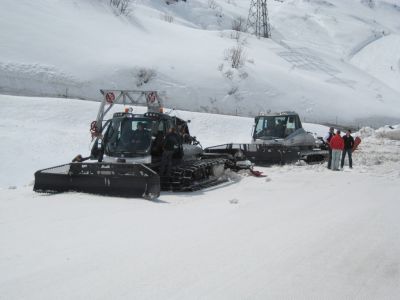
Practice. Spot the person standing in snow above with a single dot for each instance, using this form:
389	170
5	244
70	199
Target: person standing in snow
327	139
185	137
337	145
171	141
348	148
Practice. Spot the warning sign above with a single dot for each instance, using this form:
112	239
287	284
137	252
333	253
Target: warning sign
151	97
110	97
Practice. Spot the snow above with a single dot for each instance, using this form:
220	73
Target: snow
339	58
385	56
388	132
320	244
301	232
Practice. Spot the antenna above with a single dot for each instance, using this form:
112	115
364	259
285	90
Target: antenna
257	21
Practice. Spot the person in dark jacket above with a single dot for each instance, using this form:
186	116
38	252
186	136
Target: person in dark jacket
183	132
348	148
327	140
170	143
141	137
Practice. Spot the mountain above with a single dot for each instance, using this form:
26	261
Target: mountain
331	61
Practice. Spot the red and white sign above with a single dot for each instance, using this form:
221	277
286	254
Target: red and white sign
110	97
151	98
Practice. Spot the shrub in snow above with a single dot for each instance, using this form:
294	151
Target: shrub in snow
233	90
144	75
243	75
167	18
369	3
239	24
212	100
229	74
236	56
236	35
212	4
121	7
231	2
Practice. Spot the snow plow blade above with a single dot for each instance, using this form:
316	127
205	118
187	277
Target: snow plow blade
116	179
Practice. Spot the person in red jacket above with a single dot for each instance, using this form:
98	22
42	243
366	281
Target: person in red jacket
337	145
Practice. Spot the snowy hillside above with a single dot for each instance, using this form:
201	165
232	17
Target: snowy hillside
301	232
331	61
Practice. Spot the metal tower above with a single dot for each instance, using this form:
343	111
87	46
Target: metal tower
257	21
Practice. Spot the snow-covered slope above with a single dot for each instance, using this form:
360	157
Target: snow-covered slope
301	232
328	60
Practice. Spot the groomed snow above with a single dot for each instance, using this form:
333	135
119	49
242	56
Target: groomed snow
301	232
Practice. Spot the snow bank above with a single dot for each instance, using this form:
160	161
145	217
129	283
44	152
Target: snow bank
389	132
366	132
386	132
379	150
